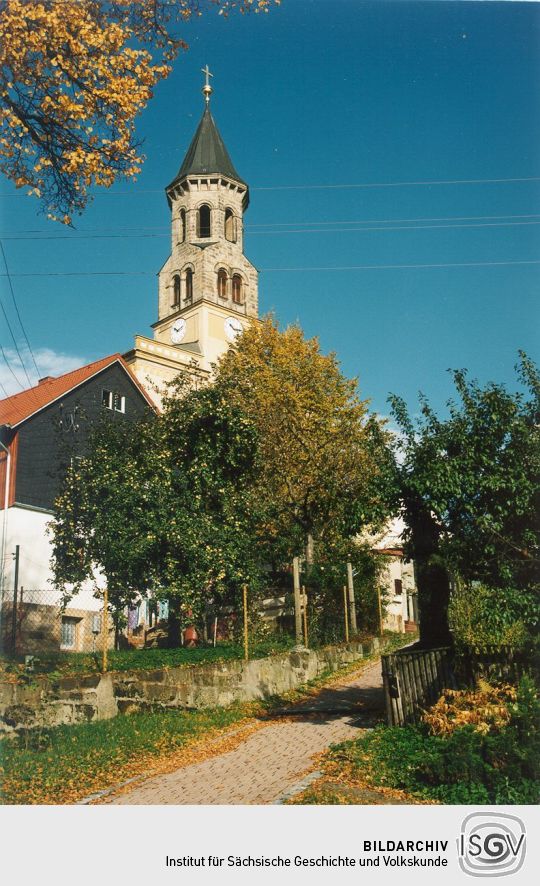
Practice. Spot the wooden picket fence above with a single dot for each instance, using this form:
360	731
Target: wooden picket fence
502	664
414	680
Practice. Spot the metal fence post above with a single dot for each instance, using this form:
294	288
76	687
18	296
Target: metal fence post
304	613
246	634
105	628
346	613
297	602
15	592
380	611
352	606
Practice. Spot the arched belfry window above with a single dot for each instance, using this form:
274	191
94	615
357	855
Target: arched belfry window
222	283
176	291
237	290
203	221
230	226
189	286
182	230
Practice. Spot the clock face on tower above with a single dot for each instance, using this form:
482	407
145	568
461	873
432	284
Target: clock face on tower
178	331
233	327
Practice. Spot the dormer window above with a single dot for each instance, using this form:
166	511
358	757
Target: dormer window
203	221
237	290
176	291
189	287
230	226
222	283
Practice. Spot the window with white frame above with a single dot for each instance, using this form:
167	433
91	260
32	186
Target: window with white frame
119	402
113	400
68	632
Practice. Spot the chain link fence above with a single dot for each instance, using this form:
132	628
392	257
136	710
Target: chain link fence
34	622
38	629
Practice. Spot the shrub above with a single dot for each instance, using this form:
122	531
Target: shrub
485	709
480	616
462	763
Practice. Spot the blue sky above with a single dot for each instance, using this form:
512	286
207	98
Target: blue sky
327	107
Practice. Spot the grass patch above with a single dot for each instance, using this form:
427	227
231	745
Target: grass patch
66	763
466	766
66	664
73	663
63	764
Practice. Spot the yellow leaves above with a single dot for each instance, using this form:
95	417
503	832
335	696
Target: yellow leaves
83	86
70	67
485	708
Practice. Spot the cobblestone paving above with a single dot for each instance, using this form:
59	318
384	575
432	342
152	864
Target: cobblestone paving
273	759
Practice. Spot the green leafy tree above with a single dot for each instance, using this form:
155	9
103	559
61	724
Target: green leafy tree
110	513
469	488
161	506
326	578
322	456
212	450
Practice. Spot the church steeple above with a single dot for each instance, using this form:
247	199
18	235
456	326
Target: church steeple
207	265
208	289
207	154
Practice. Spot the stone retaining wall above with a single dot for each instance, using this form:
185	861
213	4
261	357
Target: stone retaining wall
44	702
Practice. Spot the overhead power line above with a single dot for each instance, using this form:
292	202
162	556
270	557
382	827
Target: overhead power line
384	221
406	184
248	227
9	366
17	312
309	187
6	318
292	230
396	228
469	264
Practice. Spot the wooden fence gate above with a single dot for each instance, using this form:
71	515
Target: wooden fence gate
415	680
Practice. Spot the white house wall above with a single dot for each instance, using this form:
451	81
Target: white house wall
28	529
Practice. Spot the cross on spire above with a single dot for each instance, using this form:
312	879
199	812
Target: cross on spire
207	89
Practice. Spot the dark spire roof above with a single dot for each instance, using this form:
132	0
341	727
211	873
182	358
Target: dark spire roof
207	153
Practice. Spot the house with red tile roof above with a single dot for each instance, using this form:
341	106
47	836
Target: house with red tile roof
42	429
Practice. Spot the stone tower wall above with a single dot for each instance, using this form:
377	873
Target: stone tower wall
205	256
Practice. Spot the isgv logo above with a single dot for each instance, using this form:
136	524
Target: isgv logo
491	844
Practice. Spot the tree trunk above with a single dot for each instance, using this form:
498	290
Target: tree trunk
431	576
433	598
173	636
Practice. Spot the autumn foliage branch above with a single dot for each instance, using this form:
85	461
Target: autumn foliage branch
74	76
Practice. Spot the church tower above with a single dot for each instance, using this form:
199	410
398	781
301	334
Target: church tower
207	287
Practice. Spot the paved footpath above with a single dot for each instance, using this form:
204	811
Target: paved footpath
269	763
